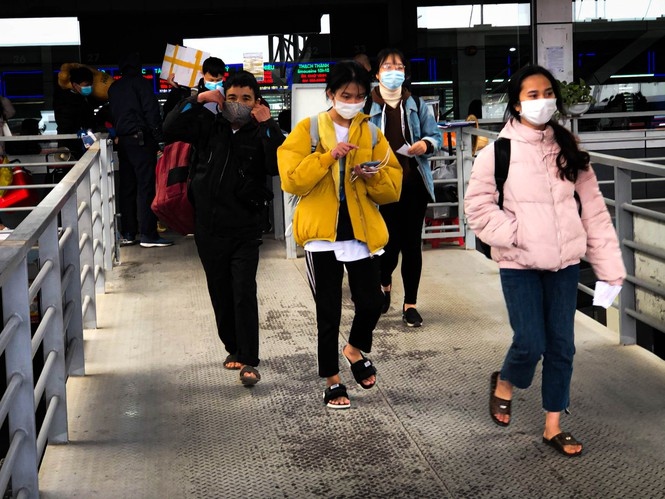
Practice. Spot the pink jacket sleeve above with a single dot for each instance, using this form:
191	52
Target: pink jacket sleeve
603	251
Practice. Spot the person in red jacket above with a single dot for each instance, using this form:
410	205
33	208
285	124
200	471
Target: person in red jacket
538	239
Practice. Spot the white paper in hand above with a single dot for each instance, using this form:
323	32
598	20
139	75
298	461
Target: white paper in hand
404	150
605	294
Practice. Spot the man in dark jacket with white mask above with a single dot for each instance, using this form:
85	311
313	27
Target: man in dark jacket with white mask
236	149
138	126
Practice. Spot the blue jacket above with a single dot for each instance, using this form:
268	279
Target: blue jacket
422	126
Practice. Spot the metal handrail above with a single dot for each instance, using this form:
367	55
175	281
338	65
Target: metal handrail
58	235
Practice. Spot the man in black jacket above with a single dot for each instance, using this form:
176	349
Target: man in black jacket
236	149
138	126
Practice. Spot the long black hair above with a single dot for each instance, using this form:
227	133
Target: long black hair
571	159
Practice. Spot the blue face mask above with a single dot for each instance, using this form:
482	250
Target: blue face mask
85	91
392	80
215	85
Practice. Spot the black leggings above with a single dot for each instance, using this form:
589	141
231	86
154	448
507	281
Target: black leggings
405	224
325	274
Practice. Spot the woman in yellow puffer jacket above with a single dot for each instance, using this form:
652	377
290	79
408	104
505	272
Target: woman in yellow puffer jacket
337	219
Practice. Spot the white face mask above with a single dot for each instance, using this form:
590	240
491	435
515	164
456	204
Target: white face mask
538	111
348	110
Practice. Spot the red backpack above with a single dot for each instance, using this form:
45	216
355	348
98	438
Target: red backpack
171	204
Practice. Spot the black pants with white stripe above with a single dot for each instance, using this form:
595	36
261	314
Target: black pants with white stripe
325	276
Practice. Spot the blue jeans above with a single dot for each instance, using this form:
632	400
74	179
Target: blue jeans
541	307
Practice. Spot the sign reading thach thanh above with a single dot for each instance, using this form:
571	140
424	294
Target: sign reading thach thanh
313	72
183	62
253	62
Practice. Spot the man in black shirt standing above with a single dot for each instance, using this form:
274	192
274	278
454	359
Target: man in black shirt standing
138	126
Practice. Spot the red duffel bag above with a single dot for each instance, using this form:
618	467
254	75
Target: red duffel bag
171	204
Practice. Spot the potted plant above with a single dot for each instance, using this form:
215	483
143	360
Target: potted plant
576	97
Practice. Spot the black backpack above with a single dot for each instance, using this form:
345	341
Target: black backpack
501	165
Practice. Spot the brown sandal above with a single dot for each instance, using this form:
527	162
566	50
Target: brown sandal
231	362
249	380
498	405
562	439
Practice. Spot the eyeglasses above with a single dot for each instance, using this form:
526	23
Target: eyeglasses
388	67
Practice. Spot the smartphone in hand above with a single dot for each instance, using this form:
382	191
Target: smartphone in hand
370	166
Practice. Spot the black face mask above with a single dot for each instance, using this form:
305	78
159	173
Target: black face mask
237	113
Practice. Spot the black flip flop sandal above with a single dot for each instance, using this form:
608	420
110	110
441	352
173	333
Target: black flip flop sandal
498	405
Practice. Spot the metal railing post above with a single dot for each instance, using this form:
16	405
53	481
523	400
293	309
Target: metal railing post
18	359
624	226
54	337
97	225
71	266
83	193
108	202
465	158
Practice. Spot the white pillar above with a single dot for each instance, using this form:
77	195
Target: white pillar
553	27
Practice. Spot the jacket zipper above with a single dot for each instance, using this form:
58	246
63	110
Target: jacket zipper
339	197
547	158
362	216
221	177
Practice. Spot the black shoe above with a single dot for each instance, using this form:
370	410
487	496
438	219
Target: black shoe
156	242
386	302
411	317
128	240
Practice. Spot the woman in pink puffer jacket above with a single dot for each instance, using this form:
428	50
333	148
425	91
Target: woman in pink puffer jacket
538	239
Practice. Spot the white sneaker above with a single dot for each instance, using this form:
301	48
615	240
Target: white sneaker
155	243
